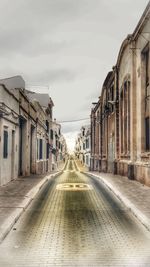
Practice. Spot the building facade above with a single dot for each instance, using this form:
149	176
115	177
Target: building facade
63	149
83	146
124	135
95	136
133	66
58	145
87	146
44	110
9	135
29	138
26	125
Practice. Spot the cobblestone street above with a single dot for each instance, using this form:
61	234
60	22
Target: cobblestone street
76	221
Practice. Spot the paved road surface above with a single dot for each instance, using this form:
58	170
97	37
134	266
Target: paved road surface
76	221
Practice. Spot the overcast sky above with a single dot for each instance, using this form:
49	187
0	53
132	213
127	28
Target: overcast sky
66	47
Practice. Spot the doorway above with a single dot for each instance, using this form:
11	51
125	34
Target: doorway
32	149
13	155
111	152
22	145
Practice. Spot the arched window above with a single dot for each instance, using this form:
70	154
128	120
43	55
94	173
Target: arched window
146	86
125	118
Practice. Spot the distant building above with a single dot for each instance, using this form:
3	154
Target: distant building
87	146
63	149
83	146
56	145
77	148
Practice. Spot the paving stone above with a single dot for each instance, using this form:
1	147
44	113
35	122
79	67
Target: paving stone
76	228
134	194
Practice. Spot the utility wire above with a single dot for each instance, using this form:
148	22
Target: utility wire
74	120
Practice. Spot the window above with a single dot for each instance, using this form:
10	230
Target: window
104	137
121	118
111	98
125	117
146	74
147	133
146	70
146	54
5	145
37	148
47	150
146	87
87	143
83	146
128	85
112	93
52	135
47	125
87	160
41	149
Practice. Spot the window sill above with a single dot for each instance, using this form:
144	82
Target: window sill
40	160
125	160
126	156
145	154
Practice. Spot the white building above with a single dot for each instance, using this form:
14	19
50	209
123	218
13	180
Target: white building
26	123
25	131
56	134
63	149
83	146
44	108
9	135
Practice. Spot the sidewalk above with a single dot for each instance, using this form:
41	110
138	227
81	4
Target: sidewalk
133	194
17	195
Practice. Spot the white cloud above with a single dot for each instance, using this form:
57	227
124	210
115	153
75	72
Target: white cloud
68	45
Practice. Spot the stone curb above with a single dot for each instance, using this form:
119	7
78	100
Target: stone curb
16	214
135	211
